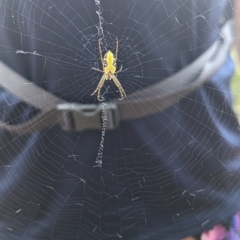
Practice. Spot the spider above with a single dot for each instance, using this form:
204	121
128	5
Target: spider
109	70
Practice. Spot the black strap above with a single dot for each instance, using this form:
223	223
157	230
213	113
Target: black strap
78	117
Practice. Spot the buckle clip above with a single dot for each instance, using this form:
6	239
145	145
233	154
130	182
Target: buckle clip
79	117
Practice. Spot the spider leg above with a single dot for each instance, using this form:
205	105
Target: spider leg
116	53
99	87
119	70
100	50
119	86
97	69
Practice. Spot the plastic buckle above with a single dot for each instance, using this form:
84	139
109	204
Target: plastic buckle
79	117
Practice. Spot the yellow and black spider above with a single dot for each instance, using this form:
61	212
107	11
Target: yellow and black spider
109	69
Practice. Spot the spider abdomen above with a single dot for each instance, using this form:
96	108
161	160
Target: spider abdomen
111	63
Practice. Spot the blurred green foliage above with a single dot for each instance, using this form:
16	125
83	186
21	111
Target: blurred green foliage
235	86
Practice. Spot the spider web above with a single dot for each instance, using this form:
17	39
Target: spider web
165	176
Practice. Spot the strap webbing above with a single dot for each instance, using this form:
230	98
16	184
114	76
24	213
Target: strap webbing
74	116
165	93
